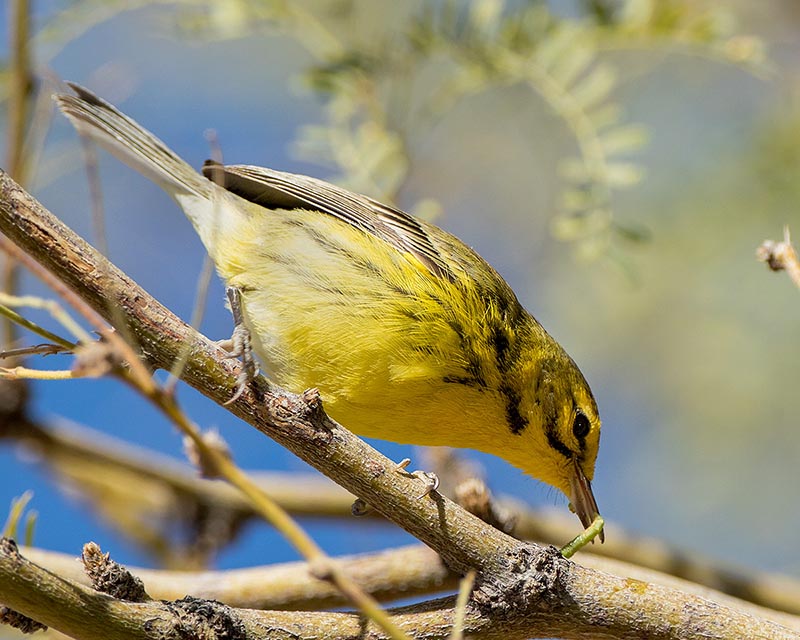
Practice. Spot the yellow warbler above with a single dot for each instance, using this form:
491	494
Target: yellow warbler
409	334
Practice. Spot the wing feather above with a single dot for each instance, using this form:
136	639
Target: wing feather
278	190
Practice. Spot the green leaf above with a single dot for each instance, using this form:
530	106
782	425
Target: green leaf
605	115
551	49
623	139
574	61
595	86
623	174
484	15
574	170
632	232
576	200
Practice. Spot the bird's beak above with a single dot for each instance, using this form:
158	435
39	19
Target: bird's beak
582	500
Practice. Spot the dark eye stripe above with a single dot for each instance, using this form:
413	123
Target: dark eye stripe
555	443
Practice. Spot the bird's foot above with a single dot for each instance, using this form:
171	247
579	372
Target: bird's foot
239	345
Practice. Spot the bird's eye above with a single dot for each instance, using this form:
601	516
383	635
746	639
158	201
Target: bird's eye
581	426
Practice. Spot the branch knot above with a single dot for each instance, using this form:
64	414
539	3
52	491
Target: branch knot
301	411
531	580
198	619
110	577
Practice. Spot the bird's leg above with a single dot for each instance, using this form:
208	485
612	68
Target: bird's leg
239	344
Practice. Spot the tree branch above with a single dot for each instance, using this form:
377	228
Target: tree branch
87	615
387	575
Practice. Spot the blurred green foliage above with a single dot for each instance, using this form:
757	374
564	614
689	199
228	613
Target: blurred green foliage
377	105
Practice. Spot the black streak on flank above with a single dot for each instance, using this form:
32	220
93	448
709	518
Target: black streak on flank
501	344
474	366
466	381
516	421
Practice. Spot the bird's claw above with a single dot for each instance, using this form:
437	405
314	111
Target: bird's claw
239	345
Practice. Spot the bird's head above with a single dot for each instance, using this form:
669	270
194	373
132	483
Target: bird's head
560	441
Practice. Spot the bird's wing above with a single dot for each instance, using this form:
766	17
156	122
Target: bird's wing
278	190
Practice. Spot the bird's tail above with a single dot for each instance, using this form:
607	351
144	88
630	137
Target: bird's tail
211	209
131	143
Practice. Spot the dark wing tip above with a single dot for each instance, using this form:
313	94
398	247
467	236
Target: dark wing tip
214	171
84	94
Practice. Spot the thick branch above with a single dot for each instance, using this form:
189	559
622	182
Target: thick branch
83	613
523	590
88	615
387	575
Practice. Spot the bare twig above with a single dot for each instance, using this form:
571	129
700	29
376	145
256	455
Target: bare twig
34	350
21	86
93	316
781	256
24	322
217	463
464	591
53	308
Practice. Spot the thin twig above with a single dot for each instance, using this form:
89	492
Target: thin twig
138	370
322	566
20	87
200	299
95	195
46	349
55	310
388	575
24	373
35	328
464	591
781	256
124	339
204	280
